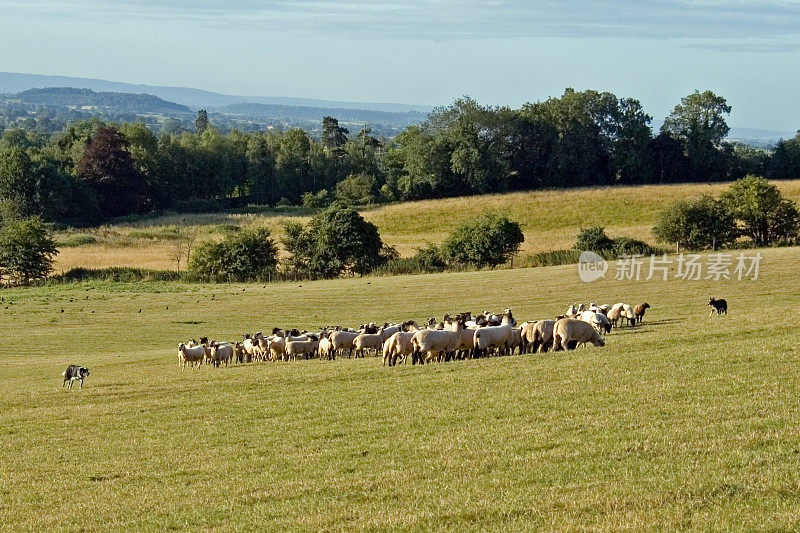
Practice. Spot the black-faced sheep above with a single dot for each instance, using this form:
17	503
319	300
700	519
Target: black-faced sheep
568	333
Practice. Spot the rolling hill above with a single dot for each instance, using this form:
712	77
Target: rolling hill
106	101
286	112
550	220
14	82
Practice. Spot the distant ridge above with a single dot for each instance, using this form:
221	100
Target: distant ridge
281	112
79	98
13	82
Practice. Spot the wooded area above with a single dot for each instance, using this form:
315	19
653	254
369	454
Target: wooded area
93	171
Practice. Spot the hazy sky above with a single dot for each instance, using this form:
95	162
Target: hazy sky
426	52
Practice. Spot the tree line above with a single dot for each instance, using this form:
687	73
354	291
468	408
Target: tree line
92	171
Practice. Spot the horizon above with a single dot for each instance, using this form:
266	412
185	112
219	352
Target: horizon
501	53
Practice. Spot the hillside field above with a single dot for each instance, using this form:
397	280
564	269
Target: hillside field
684	422
550	219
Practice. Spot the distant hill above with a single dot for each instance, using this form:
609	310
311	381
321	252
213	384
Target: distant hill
104	101
13	82
758	138
285	112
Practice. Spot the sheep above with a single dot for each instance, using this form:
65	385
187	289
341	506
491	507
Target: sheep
614	315
568	333
263	348
515	340
251	348
191	355
466	343
239	353
598	321
387	331
386	348
343	340
526	334
277	347
494	336
325	349
628	314
542	335
366	341
638	311
435	343
397	346
221	352
305	348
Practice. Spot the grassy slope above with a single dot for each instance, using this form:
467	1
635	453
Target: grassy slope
684	422
550	219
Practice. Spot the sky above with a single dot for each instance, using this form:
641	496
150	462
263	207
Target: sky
500	52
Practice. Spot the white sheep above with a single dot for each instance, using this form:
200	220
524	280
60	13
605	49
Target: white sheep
436	343
325	349
497	337
629	314
598	321
367	341
542	335
221	353
398	346
195	354
305	348
343	340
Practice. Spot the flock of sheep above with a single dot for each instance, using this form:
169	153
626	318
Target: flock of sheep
456	337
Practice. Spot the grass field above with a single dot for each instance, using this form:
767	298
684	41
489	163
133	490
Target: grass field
550	220
686	422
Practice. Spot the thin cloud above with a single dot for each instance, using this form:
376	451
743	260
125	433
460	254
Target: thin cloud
457	19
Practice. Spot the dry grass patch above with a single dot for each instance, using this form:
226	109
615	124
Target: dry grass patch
550	220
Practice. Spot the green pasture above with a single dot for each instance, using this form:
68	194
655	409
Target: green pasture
684	422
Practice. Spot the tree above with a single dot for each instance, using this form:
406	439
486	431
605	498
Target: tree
201	122
336	241
356	189
764	214
696	224
785	161
699	123
18	185
531	142
594	239
315	200
107	166
334	136
487	240
245	255
667	160
183	244
601	138
26	250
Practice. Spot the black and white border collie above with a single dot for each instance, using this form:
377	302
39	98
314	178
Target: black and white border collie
74	372
720	306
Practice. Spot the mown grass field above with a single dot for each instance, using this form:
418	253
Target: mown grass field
686	422
550	220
